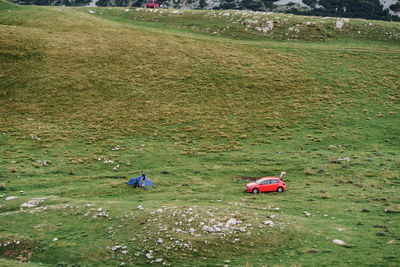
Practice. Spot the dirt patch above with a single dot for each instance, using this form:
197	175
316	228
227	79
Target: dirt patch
247	178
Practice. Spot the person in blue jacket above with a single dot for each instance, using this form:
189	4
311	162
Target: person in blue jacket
143	178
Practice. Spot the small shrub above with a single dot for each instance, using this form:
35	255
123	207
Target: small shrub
308	171
13	170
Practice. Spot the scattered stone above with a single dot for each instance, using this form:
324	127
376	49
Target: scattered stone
230	221
207	228
116	247
116	168
307	214
338	242
28	205
339	24
11	198
149	256
276	209
35	137
55	239
140	207
344	159
269	223
92	12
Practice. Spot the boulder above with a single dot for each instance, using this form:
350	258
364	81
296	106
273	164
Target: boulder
338	242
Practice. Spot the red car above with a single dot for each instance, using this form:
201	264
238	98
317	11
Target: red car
266	184
152	4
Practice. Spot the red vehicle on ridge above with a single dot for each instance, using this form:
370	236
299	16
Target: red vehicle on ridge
152	4
267	184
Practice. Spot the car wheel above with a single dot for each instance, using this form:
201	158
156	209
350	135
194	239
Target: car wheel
255	191
280	189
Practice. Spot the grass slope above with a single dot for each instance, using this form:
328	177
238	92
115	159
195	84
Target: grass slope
164	93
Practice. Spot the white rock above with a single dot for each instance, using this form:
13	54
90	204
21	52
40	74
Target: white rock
207	228
140	207
127	10
270	25
159	260
149	256
276	209
231	221
339	24
159	210
11	198
27	205
338	242
55	239
344	159
270	223
115	248
251	21
159	240
307	214
92	12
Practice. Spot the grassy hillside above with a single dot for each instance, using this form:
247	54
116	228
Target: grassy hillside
88	100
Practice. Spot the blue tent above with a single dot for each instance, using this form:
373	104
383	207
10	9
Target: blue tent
138	180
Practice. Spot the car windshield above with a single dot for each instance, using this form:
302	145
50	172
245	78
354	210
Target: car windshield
150	2
259	181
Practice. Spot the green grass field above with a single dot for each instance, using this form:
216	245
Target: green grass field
204	102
